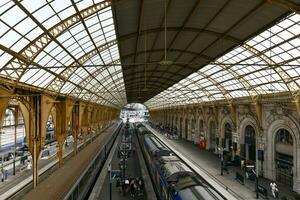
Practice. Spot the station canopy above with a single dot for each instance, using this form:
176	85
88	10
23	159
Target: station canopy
157	52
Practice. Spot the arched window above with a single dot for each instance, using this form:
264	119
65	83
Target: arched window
249	152
284	156
250	135
227	141
283	136
212	135
201	127
193	125
9	118
228	131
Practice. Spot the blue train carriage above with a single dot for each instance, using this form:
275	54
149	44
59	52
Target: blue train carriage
178	182
143	131
138	125
153	151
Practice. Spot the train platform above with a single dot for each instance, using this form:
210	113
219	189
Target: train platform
58	185
211	164
23	172
135	169
18	185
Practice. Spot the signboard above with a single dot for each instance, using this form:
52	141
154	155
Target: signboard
115	173
260	155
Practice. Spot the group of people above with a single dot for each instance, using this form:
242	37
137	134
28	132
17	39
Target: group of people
134	186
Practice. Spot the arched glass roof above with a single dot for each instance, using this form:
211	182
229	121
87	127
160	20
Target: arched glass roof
61	46
266	63
70	47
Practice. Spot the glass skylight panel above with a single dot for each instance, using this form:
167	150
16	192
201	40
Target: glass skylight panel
20	44
4	58
37	77
25	26
10	38
5	4
292	71
28	74
34	33
84	4
43	13
42	78
33	7
4	29
50	22
9	17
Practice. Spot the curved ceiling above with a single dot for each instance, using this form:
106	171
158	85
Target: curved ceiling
96	50
198	32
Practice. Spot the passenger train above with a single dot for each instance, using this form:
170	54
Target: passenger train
173	179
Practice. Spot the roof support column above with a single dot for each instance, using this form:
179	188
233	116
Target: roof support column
258	109
232	108
34	109
101	118
297	102
81	117
4	100
35	144
63	115
215	112
75	126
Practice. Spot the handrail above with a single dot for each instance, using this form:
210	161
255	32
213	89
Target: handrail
72	189
27	181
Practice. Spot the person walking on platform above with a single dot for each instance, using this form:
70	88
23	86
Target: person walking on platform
140	186
132	189
274	190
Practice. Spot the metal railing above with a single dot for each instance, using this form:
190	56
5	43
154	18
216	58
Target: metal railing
86	180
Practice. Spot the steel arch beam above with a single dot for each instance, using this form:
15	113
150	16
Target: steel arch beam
292	85
25	61
32	50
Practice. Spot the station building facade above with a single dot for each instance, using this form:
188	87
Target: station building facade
264	134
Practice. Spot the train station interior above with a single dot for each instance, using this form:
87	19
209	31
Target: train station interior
150	99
